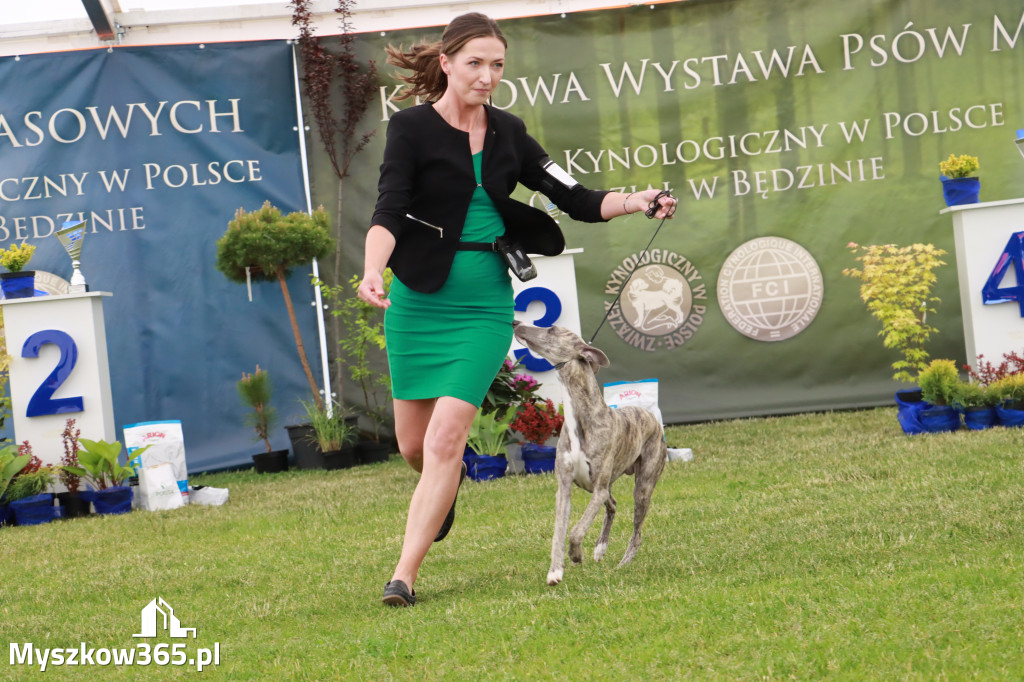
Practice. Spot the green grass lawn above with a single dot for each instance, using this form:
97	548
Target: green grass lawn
799	547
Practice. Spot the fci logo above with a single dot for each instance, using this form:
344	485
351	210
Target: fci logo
168	620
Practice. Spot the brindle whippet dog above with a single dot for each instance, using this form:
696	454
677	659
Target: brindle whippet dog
597	445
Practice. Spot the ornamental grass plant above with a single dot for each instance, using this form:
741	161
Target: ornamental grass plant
818	546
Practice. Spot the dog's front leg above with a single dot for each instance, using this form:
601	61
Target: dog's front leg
597	501
606	529
563	498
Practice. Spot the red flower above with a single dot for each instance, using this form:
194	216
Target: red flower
538	421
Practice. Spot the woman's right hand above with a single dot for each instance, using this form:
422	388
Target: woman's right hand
371	290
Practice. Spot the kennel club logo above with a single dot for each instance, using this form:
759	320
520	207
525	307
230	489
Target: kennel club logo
660	306
770	289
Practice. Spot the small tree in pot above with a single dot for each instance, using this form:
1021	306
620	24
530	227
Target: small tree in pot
362	343
255	390
265	245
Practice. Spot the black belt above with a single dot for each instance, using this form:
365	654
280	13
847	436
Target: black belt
475	246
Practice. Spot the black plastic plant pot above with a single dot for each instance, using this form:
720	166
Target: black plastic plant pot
307	454
273	462
345	458
73	505
370	452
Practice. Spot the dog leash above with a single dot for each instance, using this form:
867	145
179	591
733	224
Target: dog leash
652	208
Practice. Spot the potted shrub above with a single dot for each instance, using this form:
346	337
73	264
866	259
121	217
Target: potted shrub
73	504
1004	384
28	496
1009	395
977	403
939	383
332	437
958	186
896	286
99	466
11	462
485	446
254	390
538	422
362	345
17	282
265	245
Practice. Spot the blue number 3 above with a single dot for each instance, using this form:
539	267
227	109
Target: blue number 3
552	311
42	402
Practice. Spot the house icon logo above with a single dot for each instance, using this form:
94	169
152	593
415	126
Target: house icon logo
169	621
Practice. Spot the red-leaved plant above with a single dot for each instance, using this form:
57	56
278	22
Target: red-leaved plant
71	447
33	464
988	374
538	421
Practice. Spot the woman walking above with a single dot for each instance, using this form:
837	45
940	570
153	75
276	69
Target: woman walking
449	167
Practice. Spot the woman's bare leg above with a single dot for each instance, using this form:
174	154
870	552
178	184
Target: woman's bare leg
443	445
412	417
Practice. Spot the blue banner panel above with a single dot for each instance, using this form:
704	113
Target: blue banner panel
157	147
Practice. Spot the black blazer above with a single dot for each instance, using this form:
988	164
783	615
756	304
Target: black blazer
428	173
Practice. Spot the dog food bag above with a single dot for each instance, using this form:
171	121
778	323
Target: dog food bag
167	445
643	393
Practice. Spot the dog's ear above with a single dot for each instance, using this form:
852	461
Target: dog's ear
594	356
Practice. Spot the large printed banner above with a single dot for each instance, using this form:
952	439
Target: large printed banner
156	148
787	129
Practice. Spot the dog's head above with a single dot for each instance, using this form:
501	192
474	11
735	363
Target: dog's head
558	344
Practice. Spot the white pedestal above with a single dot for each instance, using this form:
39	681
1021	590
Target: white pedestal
548	300
59	369
981	232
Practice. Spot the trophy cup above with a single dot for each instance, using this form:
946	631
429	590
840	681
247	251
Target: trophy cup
71	237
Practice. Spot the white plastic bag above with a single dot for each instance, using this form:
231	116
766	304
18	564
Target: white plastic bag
158	489
209	496
680	455
643	393
167	445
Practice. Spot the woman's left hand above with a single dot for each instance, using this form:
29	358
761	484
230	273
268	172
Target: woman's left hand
666	204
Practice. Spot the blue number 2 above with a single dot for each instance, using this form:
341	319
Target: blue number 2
552	311
42	402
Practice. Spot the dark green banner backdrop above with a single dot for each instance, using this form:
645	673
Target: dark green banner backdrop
787	129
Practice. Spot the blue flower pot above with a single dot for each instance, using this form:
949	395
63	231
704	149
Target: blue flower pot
34	510
908	410
18	284
538	459
483	467
115	500
940	419
1009	416
980	418
959	191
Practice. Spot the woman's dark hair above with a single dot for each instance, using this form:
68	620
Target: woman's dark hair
427	80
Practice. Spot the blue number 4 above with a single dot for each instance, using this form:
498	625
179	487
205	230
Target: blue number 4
1013	254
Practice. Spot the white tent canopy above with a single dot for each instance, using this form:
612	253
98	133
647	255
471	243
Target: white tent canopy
53	25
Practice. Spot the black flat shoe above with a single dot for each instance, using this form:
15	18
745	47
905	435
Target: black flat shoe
396	593
448	520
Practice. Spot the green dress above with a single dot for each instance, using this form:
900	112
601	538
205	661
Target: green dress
452	342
